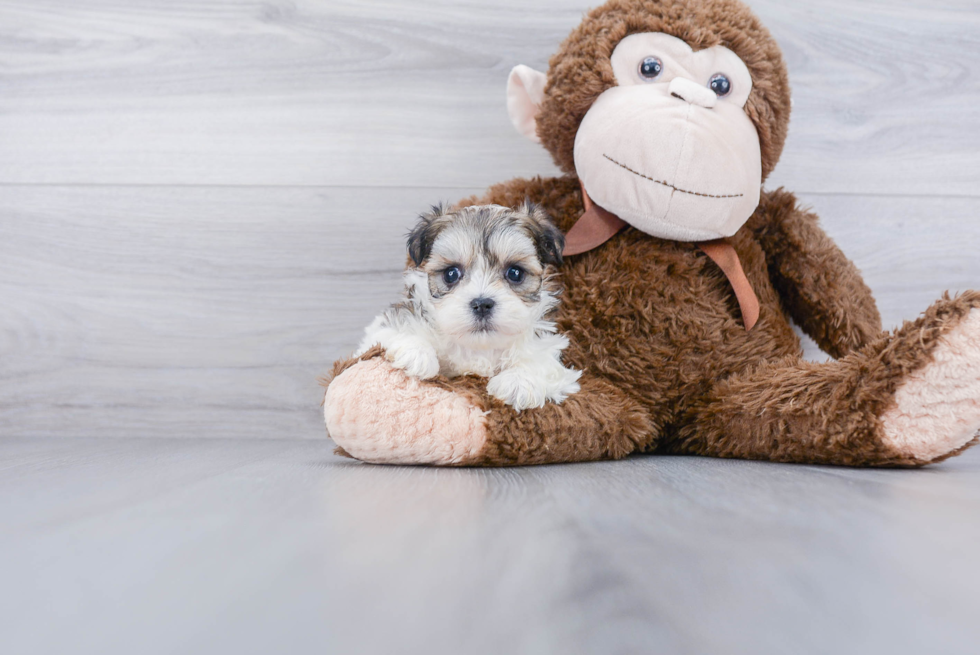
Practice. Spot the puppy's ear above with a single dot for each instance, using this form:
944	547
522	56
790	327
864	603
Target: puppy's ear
548	239
424	233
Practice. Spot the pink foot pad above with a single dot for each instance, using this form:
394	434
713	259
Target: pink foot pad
937	409
378	414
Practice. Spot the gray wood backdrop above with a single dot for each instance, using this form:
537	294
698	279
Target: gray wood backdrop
203	203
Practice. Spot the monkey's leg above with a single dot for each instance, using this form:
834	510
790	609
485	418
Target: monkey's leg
376	413
906	399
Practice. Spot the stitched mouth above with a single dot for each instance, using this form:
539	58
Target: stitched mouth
669	185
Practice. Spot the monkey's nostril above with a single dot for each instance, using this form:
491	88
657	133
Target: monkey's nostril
692	93
482	306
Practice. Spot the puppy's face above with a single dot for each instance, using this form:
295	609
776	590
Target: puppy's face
485	271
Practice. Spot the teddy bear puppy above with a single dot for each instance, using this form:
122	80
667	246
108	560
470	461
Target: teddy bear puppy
480	293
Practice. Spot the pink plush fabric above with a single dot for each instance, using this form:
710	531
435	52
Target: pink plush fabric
938	408
378	414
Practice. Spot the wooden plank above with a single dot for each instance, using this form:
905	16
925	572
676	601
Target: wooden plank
210	311
884	95
411	93
218	546
170	310
910	250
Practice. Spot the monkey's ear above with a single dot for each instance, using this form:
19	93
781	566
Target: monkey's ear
424	233
548	239
525	91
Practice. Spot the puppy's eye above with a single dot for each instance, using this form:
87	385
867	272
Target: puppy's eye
515	274
720	84
452	275
651	68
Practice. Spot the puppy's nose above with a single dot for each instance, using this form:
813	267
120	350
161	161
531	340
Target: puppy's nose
482	306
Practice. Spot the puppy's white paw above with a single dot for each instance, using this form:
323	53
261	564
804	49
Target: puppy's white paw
568	385
519	388
417	358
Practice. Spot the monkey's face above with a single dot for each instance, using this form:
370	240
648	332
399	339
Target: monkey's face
670	149
670	112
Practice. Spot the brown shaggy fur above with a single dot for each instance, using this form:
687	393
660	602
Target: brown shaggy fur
654	324
658	320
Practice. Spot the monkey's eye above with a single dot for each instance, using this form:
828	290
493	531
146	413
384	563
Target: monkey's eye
651	68
452	275
515	274
720	84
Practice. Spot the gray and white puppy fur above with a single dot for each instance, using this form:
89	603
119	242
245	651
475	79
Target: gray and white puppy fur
480	292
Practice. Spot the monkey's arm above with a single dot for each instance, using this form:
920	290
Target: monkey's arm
376	413
820	287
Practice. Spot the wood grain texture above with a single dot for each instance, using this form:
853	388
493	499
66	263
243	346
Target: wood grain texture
201	206
411	93
175	310
230	546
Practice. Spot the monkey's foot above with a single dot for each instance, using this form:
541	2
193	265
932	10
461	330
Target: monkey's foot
379	414
937	408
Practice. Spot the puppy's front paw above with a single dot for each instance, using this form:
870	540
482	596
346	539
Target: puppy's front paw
567	385
518	388
417	358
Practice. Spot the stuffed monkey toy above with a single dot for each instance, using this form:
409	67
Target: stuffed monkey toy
681	276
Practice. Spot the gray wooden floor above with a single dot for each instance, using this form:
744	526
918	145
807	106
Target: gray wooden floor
201	206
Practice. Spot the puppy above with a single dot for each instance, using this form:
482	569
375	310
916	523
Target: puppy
480	293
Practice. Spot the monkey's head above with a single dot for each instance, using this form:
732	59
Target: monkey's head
671	112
